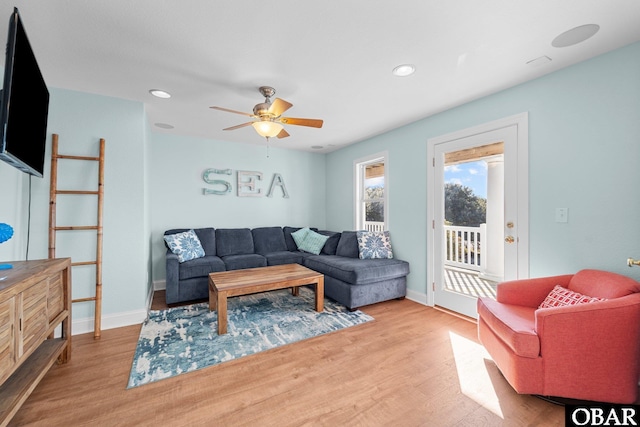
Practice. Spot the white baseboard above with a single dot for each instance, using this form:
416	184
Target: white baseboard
418	297
117	320
159	285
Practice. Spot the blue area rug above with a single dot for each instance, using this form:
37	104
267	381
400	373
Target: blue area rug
184	339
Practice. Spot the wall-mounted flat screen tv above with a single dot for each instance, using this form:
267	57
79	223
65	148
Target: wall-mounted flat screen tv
24	104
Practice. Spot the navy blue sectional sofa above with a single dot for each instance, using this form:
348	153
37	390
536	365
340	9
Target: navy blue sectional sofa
349	280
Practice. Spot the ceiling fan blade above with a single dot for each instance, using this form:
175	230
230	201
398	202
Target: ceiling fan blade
314	123
283	134
279	106
232	111
238	126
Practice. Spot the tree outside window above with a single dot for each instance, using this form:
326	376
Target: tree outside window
371	193
374	198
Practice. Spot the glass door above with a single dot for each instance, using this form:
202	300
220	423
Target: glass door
475	226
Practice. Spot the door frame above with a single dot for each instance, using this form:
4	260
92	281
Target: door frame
521	121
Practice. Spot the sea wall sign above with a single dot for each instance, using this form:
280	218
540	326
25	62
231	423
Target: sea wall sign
246	183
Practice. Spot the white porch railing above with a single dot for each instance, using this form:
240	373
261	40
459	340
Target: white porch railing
373	226
462	246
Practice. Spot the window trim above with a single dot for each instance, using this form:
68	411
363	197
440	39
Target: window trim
358	179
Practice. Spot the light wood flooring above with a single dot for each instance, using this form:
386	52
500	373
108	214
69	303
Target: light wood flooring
412	366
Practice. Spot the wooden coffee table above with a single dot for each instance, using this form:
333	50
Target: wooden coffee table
252	280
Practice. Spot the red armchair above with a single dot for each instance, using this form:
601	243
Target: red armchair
587	351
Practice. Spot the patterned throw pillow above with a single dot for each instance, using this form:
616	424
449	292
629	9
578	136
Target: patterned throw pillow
186	245
374	244
559	297
313	242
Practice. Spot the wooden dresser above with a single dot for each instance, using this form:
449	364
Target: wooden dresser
35	297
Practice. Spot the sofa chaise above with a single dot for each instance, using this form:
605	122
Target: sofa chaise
349	280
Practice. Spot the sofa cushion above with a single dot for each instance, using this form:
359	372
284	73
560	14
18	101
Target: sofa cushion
239	262
331	244
374	244
206	235
357	271
284	257
268	239
348	245
186	245
603	284
200	267
234	241
313	242
513	324
560	297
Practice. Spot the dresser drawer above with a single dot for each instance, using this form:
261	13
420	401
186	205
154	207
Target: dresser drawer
55	299
34	318
7	338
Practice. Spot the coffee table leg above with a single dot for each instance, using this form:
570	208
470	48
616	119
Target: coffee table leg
294	291
213	297
222	313
320	294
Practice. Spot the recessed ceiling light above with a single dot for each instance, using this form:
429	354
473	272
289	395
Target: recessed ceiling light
163	125
575	35
160	93
317	147
404	70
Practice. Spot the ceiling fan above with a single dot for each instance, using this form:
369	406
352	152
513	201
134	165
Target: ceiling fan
269	116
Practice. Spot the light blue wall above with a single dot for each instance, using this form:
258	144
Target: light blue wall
584	154
81	120
176	187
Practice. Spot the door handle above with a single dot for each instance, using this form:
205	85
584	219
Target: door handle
631	262
509	239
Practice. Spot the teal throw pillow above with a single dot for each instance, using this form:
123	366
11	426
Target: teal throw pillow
186	245
313	242
374	244
299	236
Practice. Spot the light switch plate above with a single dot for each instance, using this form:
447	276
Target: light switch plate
562	214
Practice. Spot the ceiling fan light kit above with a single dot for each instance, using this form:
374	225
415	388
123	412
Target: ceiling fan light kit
267	128
269	116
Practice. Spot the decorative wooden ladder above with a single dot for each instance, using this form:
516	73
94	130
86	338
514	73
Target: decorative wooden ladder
53	228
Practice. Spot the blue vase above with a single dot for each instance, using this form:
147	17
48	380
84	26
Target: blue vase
5	232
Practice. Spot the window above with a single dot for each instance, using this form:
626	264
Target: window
371	208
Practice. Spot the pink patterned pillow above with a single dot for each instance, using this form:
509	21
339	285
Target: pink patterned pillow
560	297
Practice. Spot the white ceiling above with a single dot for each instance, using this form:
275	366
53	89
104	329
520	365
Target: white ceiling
331	60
